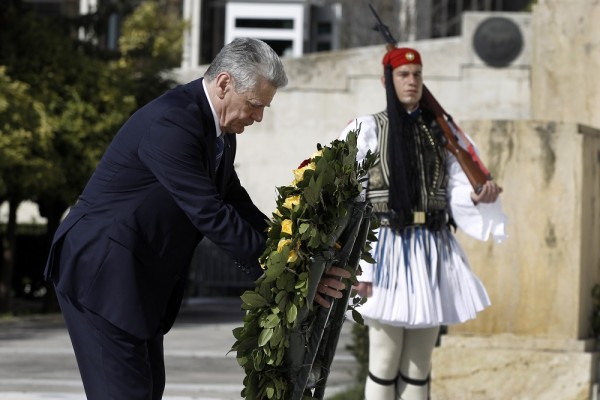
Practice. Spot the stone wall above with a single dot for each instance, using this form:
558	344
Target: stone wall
566	60
507	367
540	279
534	341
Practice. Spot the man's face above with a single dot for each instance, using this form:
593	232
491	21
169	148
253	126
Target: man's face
408	82
239	110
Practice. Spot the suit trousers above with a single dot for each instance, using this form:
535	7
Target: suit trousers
113	364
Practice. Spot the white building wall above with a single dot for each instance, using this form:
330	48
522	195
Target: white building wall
267	11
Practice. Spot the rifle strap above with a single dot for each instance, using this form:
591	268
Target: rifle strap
382	382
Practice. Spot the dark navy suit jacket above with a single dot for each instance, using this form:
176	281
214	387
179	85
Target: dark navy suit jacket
124	249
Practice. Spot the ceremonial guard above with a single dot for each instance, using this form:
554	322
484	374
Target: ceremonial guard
421	279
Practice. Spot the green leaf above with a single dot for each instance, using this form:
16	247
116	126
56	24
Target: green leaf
275	267
270	391
357	317
242	361
303	228
265	336
284	281
366	256
272	321
277	336
292	313
311	195
253	299
279	297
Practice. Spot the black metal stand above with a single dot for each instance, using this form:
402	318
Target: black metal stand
314	340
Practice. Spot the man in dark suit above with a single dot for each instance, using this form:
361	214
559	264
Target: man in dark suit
120	259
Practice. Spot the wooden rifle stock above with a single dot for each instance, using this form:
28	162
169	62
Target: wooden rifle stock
473	168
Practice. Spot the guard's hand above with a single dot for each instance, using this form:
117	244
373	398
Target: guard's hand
488	194
364	289
331	285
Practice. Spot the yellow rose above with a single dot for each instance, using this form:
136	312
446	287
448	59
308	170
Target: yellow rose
286	226
317	154
291	201
282	243
299	173
292	255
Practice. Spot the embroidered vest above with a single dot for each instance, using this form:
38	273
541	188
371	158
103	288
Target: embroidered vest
432	206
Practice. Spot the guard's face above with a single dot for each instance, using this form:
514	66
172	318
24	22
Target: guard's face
240	110
408	82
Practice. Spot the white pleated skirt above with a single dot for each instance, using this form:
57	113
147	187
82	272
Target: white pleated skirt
422	279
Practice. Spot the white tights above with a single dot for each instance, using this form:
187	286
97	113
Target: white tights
396	352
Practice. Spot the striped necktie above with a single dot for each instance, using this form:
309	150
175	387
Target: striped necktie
220	145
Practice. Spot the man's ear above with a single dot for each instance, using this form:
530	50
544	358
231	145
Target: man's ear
223	83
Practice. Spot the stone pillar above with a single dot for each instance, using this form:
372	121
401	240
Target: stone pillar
540	279
191	40
566	60
534	341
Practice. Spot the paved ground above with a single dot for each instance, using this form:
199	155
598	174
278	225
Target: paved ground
37	362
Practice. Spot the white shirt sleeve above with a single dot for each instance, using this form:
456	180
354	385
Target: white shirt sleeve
366	140
367	135
478	221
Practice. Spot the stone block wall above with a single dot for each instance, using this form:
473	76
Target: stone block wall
566	60
540	279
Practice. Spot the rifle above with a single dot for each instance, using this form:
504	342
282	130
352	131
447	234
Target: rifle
468	159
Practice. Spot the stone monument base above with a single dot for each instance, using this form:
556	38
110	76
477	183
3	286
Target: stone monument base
509	367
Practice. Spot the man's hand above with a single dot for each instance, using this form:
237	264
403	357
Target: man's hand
364	289
489	193
331	285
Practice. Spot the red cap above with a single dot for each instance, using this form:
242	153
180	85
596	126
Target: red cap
401	56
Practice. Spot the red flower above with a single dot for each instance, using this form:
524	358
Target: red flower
304	163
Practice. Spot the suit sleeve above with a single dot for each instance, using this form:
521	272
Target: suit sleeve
239	198
174	151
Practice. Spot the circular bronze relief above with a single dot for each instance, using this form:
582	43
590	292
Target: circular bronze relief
498	41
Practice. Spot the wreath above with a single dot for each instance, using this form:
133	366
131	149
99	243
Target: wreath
306	222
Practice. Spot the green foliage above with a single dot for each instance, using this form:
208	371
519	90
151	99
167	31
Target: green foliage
309	215
152	38
81	97
62	100
151	42
25	139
